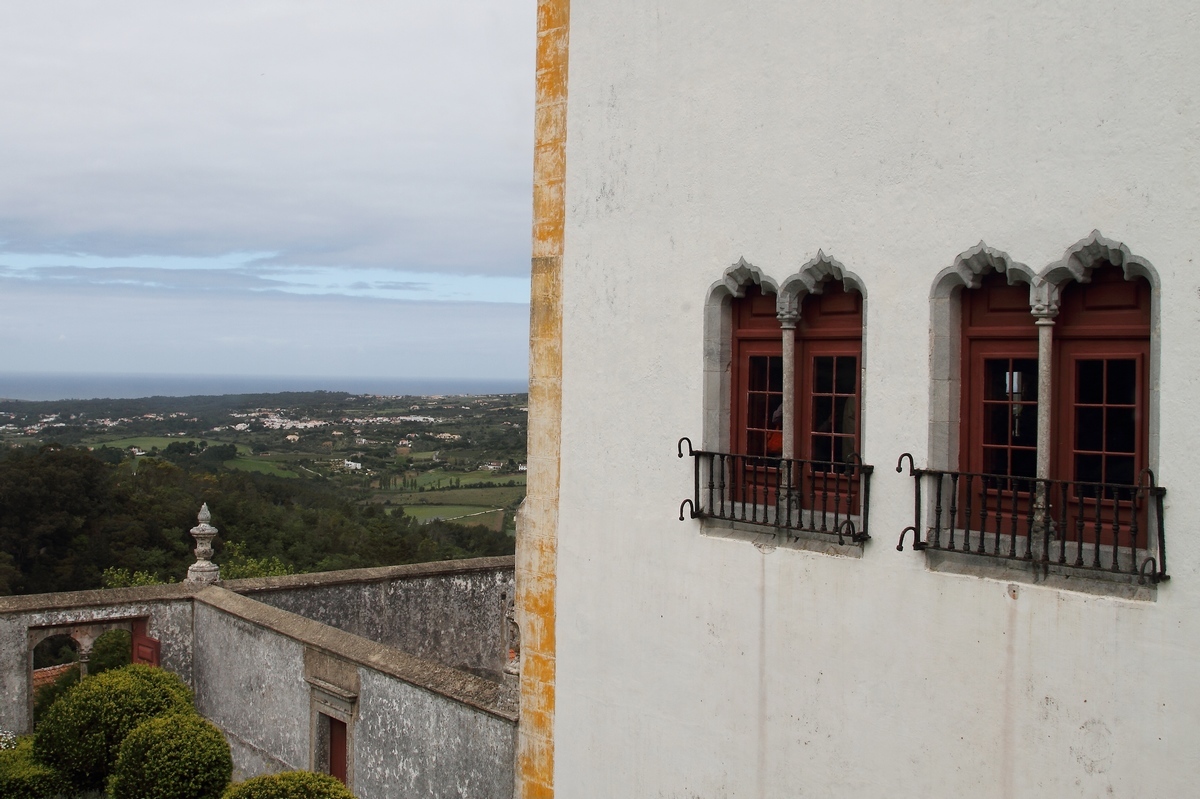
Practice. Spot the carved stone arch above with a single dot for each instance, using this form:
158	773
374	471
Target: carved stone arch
971	265
718	343
1081	258
945	351
811	279
738	277
1095	251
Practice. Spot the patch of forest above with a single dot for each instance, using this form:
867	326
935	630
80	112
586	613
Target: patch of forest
68	517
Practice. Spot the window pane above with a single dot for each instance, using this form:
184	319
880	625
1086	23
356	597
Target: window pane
995	460
822	421
1024	425
757	411
758	372
1023	380
1119	430
1122	382
775	369
823	375
1087	468
1089	428
1119	469
995	423
1090	386
1024	463
845	418
995	378
755	443
775	405
822	448
847	374
843	448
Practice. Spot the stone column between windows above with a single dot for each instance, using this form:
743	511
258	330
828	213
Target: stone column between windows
1044	314
788	322
1044	310
1045	326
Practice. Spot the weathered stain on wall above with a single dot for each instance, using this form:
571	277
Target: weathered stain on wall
537	538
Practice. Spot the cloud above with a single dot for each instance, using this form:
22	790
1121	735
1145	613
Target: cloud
191	280
131	329
379	135
196	275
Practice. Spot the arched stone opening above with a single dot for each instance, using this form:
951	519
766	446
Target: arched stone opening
718	346
945	300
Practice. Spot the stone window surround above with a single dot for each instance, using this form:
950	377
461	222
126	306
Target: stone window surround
333	703
333	694
945	383
1045	289
811	278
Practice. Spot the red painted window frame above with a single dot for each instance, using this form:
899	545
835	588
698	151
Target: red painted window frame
996	324
1106	318
831	324
756	332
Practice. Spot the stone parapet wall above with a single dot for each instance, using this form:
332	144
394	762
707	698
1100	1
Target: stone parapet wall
415	725
451	612
415	656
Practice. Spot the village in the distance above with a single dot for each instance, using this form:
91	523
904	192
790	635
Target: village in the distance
297	481
455	458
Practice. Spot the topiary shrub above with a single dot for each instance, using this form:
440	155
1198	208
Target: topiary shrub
289	785
82	731
176	756
22	777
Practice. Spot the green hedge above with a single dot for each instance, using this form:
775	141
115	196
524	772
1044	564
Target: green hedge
82	731
176	756
289	785
22	777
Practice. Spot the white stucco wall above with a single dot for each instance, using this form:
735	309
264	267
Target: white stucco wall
894	136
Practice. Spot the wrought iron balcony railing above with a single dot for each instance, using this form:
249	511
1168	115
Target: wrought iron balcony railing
794	496
1073	525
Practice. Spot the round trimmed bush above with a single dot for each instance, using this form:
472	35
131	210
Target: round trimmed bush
81	732
175	756
22	777
289	785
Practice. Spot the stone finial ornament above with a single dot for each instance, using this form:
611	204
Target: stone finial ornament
203	570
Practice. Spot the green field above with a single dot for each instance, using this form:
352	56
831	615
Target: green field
451	513
148	443
440	477
256	465
494	497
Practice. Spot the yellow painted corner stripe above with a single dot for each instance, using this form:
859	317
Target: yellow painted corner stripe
537	543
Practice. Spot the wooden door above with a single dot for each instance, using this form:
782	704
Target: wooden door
143	648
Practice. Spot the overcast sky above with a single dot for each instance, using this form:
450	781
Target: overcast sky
276	188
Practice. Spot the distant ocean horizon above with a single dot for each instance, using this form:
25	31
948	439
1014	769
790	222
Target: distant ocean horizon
59	386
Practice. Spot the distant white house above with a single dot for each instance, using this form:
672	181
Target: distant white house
352	466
